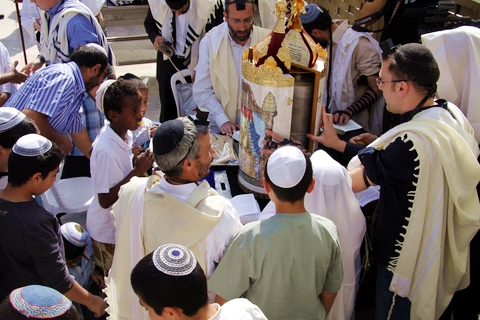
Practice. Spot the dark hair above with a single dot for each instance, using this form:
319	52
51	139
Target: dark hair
159	290
322	22
22	168
71	250
138	82
415	63
230	2
88	57
8	312
9	137
294	193
115	93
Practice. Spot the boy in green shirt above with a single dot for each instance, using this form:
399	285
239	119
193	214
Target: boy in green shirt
290	264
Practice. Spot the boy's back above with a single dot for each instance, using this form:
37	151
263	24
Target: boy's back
31	248
283	263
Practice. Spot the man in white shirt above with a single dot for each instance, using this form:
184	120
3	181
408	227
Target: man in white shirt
217	83
173	209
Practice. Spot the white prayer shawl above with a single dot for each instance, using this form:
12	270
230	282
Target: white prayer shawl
342	81
457	52
202	12
433	258
332	197
131	234
223	71
266	9
54	45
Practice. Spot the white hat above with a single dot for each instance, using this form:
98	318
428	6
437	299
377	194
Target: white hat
74	233
98	47
31	145
174	260
9	118
101	94
286	167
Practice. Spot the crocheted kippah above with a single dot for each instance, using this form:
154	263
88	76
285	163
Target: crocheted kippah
312	11
32	145
74	233
39	302
286	167
174	260
9	118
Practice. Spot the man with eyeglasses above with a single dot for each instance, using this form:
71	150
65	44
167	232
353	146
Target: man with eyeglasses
178	26
53	96
428	209
175	208
217	85
354	63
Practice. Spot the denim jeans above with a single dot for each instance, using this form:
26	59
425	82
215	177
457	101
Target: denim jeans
384	298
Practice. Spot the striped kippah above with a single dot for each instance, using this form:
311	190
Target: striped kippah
9	118
74	233
39	302
312	11
32	145
174	260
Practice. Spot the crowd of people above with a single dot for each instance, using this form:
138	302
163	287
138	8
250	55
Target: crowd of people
161	243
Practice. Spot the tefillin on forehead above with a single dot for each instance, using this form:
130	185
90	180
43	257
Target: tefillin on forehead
240	4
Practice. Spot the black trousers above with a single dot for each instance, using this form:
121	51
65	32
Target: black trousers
165	70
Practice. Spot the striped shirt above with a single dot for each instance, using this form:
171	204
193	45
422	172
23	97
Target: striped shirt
92	120
56	91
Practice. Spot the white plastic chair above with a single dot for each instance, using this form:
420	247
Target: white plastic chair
179	77
72	195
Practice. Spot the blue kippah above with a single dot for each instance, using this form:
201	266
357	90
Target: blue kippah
39	302
312	11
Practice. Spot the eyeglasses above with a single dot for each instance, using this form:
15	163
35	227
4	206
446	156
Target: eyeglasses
237	22
379	81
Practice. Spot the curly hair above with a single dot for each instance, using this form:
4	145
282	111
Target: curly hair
115	94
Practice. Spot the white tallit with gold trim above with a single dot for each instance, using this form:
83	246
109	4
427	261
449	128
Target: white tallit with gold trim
147	217
433	260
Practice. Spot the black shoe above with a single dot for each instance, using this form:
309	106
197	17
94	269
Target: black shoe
2	16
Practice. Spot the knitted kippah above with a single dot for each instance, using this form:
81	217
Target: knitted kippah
312	11
39	302
9	118
31	145
174	260
74	233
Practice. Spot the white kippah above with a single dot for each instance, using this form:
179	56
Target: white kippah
174	260
101	94
74	233
286	167
9	118
32	145
98	47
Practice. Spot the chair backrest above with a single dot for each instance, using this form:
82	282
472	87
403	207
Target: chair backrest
72	195
179	77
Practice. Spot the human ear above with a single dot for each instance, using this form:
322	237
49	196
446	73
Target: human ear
266	185
311	186
112	115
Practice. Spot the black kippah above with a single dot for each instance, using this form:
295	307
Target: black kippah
417	52
168	137
240	4
176	4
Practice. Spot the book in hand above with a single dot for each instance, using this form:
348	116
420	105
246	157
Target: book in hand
349	126
247	207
